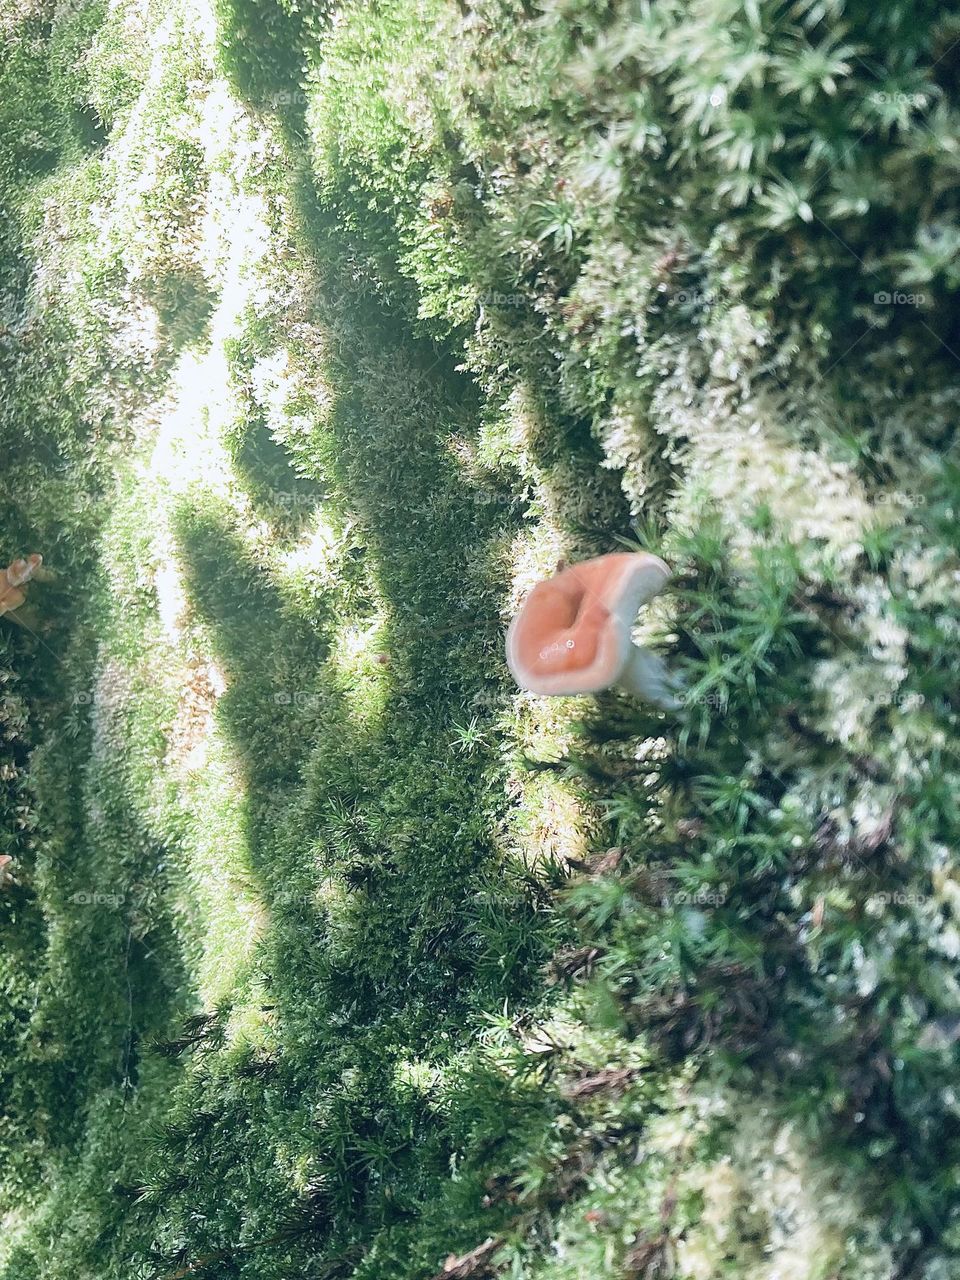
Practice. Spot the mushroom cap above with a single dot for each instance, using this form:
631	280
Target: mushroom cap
10	597
21	571
572	634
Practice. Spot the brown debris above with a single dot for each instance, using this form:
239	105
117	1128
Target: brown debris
668	1206
669	261
612	1081
571	1173
880	835
500	1189
201	686
649	1258
825	836
599	864
606	863
690	828
574	962
441	206
476	1263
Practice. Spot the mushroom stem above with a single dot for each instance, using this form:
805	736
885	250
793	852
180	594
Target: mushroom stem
647	676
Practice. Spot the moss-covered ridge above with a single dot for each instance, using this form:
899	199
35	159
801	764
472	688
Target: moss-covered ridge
323	974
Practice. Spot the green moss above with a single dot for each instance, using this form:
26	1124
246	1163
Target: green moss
323	337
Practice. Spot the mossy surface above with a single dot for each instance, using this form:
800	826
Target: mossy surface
323	335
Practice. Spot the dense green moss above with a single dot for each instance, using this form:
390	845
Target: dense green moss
325	334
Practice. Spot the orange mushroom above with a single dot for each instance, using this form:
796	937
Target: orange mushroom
572	634
13	579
